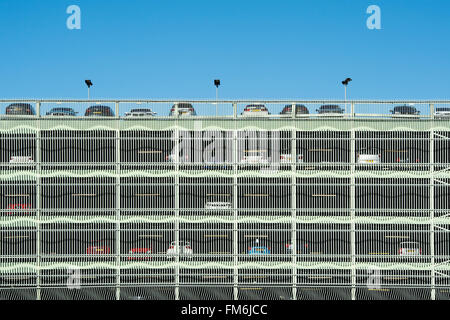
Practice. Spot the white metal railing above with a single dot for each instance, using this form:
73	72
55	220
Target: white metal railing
235	108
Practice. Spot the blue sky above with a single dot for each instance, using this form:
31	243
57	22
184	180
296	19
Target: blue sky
259	49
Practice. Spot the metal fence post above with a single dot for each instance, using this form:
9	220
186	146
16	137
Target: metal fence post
235	218
432	228
294	211
38	208
117	205
352	212
38	109
177	208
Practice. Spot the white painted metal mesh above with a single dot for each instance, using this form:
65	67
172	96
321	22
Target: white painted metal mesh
353	205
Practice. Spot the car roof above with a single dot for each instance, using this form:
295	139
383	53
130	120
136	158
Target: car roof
296	105
330	106
141	110
255	106
100	107
62	108
405	106
19	104
183	105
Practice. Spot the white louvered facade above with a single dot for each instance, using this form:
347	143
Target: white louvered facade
276	207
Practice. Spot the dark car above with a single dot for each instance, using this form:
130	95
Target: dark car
299	109
20	109
330	108
61	111
102	111
405	110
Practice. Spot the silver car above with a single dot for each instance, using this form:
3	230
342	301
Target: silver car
442	113
410	248
182	248
184	109
140	113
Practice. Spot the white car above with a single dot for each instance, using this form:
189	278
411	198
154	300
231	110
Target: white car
442	113
184	109
254	159
21	159
218	205
369	158
255	110
409	249
140	113
182	248
173	158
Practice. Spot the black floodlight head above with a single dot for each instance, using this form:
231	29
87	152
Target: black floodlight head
346	81
217	83
88	83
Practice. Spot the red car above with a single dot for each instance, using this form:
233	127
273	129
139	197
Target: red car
98	250
140	253
19	207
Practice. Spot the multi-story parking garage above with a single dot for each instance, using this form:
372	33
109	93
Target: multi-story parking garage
225	207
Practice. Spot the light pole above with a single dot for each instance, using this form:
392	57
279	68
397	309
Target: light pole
217	84
345	83
89	84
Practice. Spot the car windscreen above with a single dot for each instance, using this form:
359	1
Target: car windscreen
140	110
405	109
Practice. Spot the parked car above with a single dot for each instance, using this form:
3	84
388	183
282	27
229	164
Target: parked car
304	249
255	110
61	111
258	250
254	156
404	110
406	159
182	248
254	159
184	109
442	112
410	248
19	207
369	156
174	158
20	109
287	158
299	109
21	159
140	254
217	205
98	250
330	109
146	112
100	111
